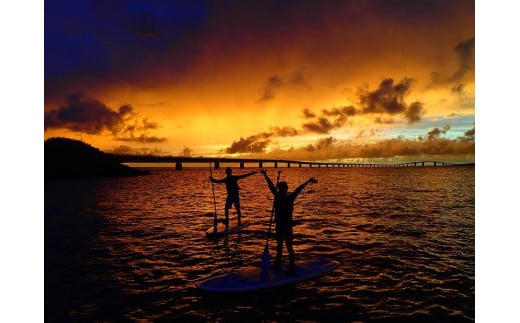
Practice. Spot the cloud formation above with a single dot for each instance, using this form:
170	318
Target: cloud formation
251	144
388	98
88	115
198	57
465	54
332	149
276	82
330	119
436	132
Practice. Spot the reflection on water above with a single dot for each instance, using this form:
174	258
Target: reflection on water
135	248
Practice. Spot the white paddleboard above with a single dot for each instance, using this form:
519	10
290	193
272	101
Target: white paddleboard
222	231
253	278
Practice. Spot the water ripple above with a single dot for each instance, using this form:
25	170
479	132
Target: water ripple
134	248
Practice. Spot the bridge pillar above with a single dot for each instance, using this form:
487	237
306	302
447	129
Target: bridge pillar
260	164
178	166
217	164
275	164
300	165
288	165
242	165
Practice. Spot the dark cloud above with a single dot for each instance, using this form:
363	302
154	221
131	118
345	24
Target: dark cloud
276	82
252	144
329	119
458	89
414	112
322	125
436	132
344	111
389	99
137	131
470	133
465	52
273	83
284	131
257	143
324	143
89	115
299	79
308	114
320	144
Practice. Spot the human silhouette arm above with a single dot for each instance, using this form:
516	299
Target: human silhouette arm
269	182
246	175
302	186
217	180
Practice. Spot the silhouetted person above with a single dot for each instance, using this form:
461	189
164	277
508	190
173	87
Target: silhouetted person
233	189
283	211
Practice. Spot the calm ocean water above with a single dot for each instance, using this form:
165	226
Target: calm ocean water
134	248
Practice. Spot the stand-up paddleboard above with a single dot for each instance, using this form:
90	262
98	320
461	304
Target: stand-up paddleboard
253	278
222	231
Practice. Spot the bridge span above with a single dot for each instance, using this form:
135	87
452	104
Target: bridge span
241	162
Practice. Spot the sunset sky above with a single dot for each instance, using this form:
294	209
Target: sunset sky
371	80
387	80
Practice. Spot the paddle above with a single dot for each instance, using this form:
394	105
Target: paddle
265	257
214	201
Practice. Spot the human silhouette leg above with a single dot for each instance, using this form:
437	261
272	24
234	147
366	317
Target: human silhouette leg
279	248
239	216
239	213
229	204
226	221
290	250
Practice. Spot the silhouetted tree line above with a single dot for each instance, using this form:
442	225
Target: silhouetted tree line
64	157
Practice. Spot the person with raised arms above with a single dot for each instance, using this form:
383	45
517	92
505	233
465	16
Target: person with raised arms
232	189
283	218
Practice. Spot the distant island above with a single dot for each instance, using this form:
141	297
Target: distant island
66	158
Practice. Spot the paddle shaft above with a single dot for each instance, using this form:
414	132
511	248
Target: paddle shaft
272	214
214	200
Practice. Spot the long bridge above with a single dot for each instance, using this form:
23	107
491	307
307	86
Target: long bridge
241	162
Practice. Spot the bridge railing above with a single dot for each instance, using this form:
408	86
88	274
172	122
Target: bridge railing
241	162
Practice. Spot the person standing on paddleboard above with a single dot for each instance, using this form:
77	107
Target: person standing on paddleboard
283	217
232	189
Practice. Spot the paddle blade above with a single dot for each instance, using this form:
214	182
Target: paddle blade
264	264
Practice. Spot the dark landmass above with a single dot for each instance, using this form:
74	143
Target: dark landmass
66	158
